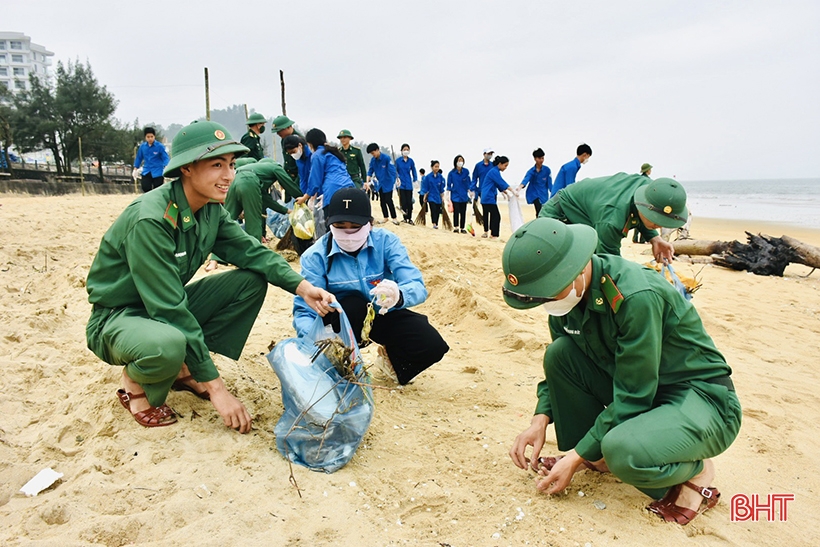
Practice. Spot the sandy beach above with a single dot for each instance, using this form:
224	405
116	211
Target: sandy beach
433	469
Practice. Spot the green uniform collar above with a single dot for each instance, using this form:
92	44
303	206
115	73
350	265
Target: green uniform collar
633	220
603	293
178	212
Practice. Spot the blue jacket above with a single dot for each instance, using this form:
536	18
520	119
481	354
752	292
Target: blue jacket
458	184
565	176
303	165
538	184
432	186
479	172
154	156
384	171
382	257
327	175
491	184
407	173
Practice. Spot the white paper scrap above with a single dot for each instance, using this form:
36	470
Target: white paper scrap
40	482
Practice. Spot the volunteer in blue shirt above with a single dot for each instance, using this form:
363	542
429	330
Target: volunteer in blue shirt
537	182
480	171
458	184
296	147
406	170
328	172
383	170
432	187
566	175
490	186
358	264
153	157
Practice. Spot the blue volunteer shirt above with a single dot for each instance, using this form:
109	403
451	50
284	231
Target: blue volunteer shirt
406	169
303	165
565	176
491	185
479	173
432	186
154	156
458	183
537	184
328	174
384	171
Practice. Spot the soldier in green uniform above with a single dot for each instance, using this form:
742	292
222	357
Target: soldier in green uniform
633	383
615	205
355	161
283	126
251	139
148	319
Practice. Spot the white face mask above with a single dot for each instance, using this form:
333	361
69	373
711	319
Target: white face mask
460	164
565	305
296	155
350	239
405	153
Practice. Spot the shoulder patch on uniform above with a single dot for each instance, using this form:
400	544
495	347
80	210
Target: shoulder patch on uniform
612	293
171	214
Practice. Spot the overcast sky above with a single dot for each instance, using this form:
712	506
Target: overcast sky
700	89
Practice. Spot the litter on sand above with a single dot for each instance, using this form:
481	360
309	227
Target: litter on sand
40	482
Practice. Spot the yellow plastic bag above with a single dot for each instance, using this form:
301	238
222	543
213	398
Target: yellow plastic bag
302	221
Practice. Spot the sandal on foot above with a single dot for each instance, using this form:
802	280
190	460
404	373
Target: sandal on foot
670	512
180	385
549	462
153	417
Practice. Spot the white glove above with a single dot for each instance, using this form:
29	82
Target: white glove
387	295
135	174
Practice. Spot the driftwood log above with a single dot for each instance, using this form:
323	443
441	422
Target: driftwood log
762	255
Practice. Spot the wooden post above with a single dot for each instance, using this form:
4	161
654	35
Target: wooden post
207	97
82	181
282	83
246	111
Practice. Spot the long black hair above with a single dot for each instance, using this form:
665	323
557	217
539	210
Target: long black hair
500	159
316	138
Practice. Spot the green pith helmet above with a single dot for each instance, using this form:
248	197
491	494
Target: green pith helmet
255	118
663	202
645	167
344	133
199	141
543	257
280	123
244	161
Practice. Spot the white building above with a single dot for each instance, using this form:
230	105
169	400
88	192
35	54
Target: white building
19	58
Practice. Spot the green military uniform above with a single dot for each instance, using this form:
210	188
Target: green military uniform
280	123
146	318
605	203
254	144
250	192
355	165
631	374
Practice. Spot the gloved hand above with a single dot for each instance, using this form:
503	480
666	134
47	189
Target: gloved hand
387	295
135	174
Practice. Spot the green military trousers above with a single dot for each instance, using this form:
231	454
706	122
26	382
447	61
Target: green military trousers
655	450
225	306
245	195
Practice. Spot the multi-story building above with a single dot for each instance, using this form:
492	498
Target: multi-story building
19	58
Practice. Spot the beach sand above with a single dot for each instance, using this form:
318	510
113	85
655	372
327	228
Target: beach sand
433	469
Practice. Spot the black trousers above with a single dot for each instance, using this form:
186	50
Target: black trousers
412	343
492	218
406	203
537	204
387	203
459	214
435	211
149	182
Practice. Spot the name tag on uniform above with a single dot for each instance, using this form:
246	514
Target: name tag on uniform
180	255
572	331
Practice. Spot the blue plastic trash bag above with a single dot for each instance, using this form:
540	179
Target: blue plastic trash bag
278	223
676	281
327	413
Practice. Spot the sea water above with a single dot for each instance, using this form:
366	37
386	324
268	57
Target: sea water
786	201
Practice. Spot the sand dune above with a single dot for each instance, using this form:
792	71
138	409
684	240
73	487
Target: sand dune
433	469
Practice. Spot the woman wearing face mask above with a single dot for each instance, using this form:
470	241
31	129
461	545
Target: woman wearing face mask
490	186
406	171
432	187
458	184
633	383
296	147
360	264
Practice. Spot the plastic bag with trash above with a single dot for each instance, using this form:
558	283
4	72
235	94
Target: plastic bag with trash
302	221
319	221
328	404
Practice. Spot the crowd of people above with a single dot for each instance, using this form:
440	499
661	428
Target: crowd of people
633	384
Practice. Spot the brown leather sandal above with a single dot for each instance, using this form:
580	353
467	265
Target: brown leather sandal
180	385
153	417
668	511
549	462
